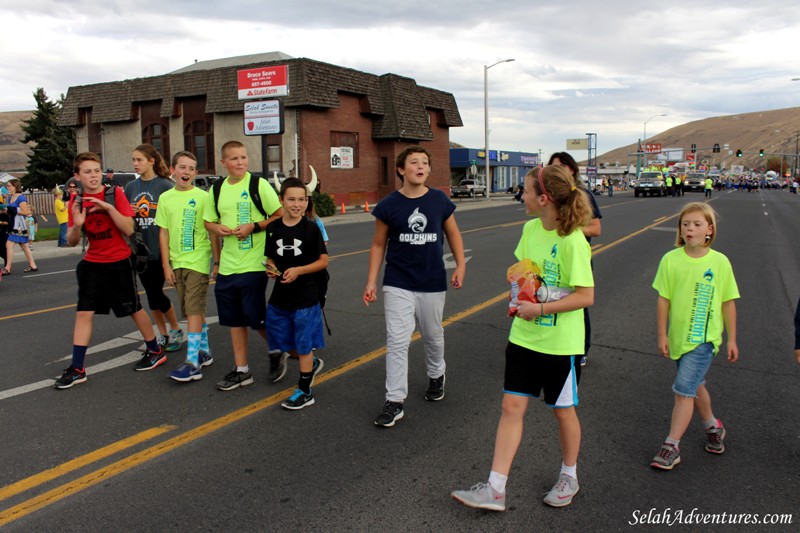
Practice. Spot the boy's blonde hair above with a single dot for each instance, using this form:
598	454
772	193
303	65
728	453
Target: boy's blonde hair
708	213
228	145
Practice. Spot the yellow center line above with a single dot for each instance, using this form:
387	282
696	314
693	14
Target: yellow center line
68	489
92	478
79	462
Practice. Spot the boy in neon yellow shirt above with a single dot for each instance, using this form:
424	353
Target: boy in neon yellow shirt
186	253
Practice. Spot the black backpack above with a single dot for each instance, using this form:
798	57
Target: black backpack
253	190
139	249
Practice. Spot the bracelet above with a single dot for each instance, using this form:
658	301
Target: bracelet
216	263
256	227
542	308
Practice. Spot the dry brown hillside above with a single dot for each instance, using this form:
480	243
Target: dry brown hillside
13	154
775	131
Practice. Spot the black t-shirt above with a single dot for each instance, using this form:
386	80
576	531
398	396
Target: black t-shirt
293	246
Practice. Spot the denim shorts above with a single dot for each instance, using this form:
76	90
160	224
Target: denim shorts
692	368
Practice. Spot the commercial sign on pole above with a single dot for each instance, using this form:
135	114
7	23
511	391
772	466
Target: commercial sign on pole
652	148
264	117
577	144
263	81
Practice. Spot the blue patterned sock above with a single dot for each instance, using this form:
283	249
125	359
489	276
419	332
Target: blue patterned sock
193	350
204	340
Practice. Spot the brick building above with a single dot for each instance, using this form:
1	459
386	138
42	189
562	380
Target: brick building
327	108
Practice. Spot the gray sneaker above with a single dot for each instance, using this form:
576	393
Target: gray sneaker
714	438
234	380
667	457
481	496
277	366
562	492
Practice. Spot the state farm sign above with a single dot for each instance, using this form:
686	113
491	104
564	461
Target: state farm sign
262	81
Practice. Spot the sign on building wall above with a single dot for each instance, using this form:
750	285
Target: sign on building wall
262	82
341	157
264	117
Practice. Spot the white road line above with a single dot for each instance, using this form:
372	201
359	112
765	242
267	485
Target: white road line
48	273
122	360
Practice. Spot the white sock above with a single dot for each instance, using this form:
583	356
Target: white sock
245	368
674	442
712	423
571	471
498	481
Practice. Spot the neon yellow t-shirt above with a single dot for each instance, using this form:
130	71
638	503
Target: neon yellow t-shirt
709	184
236	208
181	213
564	262
696	289
669	181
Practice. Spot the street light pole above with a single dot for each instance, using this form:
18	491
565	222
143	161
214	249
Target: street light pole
644	135
486	121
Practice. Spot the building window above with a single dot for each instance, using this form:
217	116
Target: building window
342	139
274	158
384	171
198	138
198	133
155	129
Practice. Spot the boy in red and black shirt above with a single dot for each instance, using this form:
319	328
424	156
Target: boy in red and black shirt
106	277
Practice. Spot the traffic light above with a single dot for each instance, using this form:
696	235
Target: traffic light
738	153
694	148
761	153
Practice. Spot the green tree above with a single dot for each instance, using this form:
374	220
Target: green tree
50	162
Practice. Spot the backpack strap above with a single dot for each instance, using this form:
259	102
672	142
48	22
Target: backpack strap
255	196
215	189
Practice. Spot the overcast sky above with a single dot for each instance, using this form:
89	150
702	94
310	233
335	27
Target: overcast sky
580	66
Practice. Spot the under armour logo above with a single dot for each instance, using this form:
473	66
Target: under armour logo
295	247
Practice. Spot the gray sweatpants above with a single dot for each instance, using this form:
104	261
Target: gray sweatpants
401	306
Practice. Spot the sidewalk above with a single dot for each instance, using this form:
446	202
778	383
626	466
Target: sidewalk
48	249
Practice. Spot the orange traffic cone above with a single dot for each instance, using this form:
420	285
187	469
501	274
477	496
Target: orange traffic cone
366	207
344	211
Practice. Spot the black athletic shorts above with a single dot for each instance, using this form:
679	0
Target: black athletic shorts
104	286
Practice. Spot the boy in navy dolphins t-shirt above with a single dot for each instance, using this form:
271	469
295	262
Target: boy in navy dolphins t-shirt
409	226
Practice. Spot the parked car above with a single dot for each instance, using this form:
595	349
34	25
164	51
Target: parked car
469	188
651	183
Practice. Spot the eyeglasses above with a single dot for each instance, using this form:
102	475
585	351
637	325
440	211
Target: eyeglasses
72	187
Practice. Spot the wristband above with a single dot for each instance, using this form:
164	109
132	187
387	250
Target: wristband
542	308
256	227
216	263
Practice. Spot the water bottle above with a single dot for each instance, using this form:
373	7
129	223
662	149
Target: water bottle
551	294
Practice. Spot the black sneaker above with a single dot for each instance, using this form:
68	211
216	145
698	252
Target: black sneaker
277	366
150	360
435	390
234	380
71	376
392	412
298	400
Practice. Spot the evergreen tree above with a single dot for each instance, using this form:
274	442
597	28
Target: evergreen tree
50	162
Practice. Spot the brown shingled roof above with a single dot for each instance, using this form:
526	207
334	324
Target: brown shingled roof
397	103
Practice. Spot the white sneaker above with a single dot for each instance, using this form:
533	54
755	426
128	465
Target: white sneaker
481	496
562	492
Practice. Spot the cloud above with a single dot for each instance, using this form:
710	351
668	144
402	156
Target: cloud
579	66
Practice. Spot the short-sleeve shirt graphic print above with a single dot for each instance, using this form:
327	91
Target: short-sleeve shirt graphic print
696	289
181	213
236	208
414	248
294	246
564	262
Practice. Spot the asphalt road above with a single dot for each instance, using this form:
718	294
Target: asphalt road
137	452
